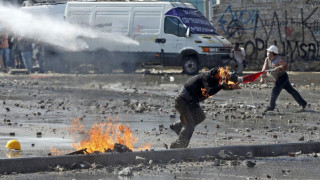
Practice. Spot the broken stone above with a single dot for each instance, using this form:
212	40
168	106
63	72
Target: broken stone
138	167
140	160
161	127
109	169
172	116
275	136
172	161
8	109
301	138
250	163
97	166
315	155
268	176
39	134
165	145
226	155
126	172
12	133
75	166
85	165
59	168
291	154
233	163
249	155
121	148
216	162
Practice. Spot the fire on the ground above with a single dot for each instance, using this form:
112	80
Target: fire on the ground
101	137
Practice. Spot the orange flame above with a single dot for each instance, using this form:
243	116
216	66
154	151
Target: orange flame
224	74
102	136
56	152
77	126
204	92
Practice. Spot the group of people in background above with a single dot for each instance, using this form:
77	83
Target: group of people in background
19	53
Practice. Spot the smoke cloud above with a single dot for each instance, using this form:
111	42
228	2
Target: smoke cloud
58	33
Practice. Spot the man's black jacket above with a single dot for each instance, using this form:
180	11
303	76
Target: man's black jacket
203	85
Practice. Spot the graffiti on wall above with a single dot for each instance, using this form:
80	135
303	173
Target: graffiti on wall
298	39
239	24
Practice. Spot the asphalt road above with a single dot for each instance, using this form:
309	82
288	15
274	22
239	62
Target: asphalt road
47	103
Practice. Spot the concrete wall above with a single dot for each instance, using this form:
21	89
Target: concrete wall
292	25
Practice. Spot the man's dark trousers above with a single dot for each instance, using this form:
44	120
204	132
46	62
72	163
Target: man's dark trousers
191	115
283	83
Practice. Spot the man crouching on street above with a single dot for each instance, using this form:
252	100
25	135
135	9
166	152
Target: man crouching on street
195	90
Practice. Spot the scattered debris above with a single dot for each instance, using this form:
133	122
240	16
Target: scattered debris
250	163
81	151
140	160
126	172
226	155
249	155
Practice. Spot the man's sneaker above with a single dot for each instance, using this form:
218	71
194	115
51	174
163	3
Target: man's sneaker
304	106
269	109
302	109
176	127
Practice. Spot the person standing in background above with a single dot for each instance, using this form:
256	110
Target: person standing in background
239	55
26	52
5	51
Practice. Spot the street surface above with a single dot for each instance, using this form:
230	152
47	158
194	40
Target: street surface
46	104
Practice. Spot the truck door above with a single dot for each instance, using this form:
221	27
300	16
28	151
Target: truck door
146	29
174	34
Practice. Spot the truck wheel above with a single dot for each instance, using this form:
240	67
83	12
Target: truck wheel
190	65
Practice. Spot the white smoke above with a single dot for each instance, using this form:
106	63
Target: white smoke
58	33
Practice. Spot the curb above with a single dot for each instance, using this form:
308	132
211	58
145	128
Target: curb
36	164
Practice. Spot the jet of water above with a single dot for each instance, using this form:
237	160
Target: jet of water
58	33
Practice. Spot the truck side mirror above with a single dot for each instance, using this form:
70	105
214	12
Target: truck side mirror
188	32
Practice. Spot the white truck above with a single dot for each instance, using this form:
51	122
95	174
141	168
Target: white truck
169	34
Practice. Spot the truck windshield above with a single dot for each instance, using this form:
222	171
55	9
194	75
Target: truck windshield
193	19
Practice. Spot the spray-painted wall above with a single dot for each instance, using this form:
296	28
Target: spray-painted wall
292	25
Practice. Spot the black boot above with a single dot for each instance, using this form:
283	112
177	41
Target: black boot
179	144
176	127
183	140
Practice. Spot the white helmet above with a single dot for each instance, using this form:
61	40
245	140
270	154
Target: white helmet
273	49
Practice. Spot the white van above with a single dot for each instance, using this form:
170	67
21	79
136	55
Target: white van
169	33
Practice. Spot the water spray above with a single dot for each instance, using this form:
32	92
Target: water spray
58	33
